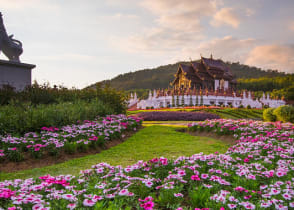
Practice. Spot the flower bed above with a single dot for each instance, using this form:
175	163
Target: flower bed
69	139
185	116
255	173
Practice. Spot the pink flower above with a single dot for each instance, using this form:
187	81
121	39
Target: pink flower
232	206
195	177
71	206
97	198
148	205
178	195
247	197
287	196
6	193
88	202
37	207
204	176
124	192
246	160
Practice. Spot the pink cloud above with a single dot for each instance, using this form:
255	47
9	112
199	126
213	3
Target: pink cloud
291	26
225	16
273	56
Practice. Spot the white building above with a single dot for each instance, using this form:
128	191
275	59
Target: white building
156	100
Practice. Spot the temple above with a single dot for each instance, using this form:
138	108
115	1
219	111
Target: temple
208	73
206	82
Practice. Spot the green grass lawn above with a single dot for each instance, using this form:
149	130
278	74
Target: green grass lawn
150	142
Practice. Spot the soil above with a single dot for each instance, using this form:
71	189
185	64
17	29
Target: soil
46	160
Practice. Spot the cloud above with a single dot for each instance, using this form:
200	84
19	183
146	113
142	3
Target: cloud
225	16
67	56
155	41
202	7
176	24
273	56
228	48
249	12
124	16
291	26
10	5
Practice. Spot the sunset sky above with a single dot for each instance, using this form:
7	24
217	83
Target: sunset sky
79	42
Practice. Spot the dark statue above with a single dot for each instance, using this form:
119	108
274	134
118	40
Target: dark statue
10	47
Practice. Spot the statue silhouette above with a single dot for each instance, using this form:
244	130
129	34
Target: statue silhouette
10	47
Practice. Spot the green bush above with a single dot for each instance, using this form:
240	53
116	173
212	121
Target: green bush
43	94
70	148
15	155
268	115
284	113
19	119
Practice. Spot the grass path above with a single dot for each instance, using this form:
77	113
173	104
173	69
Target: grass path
152	141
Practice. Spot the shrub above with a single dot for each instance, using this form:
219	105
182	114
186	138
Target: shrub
284	113
70	148
25	117
268	115
14	155
53	151
82	146
37	154
265	106
248	107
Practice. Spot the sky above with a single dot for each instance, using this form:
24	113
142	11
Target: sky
76	43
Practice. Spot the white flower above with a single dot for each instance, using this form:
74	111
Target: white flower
232	206
178	195
88	202
123	192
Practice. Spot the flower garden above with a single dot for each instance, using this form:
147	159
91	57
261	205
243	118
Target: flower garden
71	139
255	173
176	115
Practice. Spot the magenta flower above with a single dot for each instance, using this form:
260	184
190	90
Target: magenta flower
148	205
195	178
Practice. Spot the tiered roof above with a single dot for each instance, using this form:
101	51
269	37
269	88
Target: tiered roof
205	69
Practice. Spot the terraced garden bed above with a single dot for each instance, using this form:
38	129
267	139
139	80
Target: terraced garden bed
255	173
53	144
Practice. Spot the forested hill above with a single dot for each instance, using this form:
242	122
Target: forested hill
161	76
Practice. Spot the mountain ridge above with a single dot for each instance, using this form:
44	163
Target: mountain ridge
161	76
